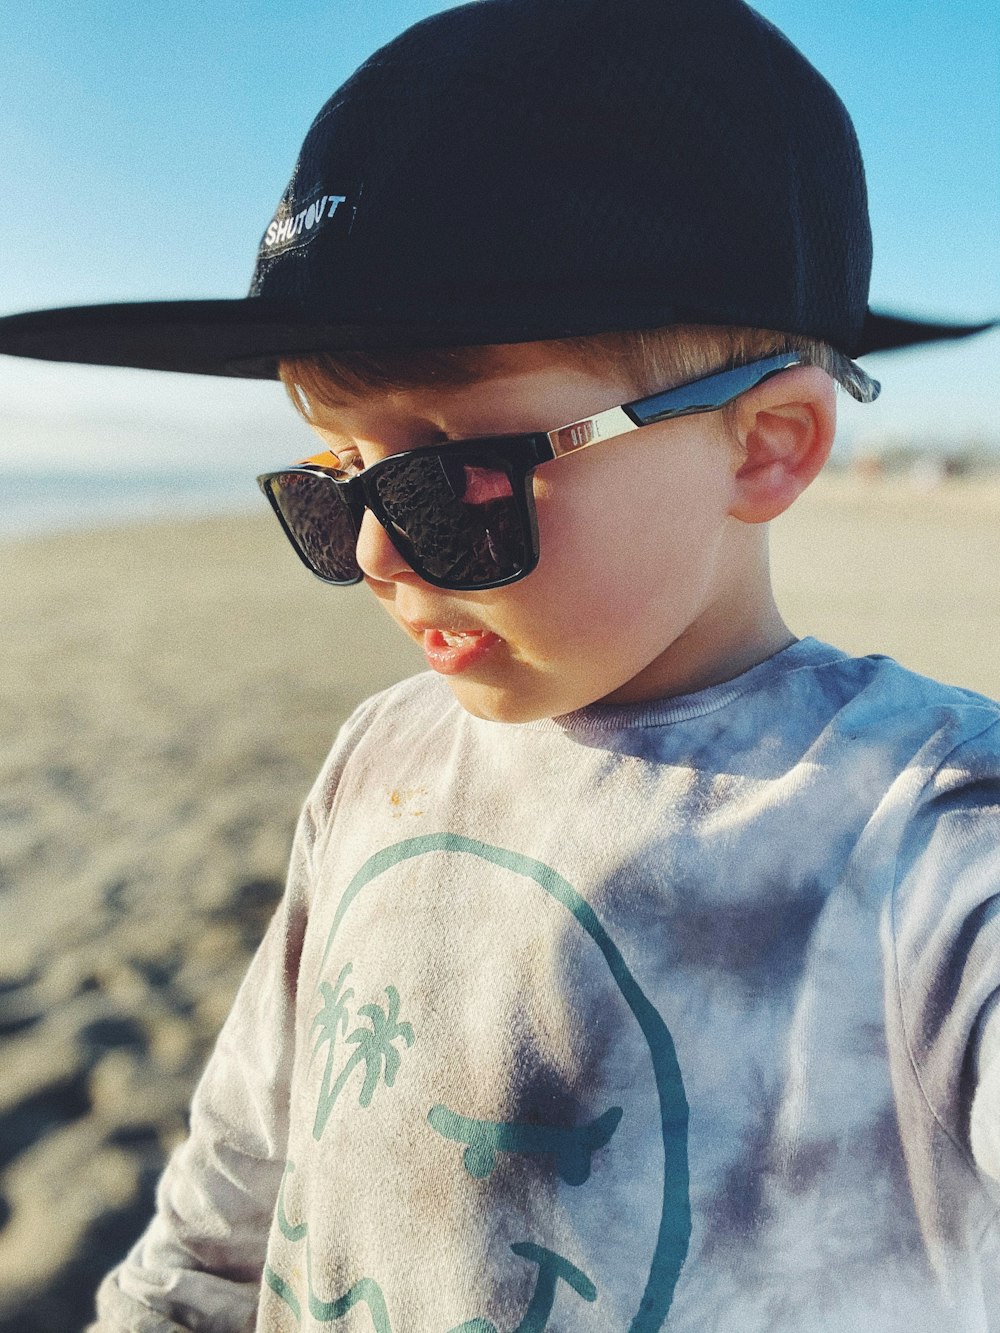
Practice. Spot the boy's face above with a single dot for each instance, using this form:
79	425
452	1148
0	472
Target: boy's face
644	585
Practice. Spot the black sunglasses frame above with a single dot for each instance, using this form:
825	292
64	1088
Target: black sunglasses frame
517	456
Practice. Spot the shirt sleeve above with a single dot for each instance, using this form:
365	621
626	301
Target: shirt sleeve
199	1263
946	937
984	1119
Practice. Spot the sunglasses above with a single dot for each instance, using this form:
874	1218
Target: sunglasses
462	514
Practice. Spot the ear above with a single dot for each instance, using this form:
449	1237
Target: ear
784	429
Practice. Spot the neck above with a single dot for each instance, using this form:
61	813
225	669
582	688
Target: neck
740	627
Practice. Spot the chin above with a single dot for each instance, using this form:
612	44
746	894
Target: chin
498	705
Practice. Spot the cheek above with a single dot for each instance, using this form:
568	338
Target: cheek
614	540
583	593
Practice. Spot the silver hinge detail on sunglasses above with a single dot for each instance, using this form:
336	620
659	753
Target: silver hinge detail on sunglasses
578	434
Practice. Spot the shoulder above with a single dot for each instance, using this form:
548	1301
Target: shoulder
876	699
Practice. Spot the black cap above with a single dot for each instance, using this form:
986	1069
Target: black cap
517	170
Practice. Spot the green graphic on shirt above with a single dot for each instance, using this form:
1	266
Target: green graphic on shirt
571	1147
484	1140
295	1233
365	1289
373	1045
552	1269
334	1018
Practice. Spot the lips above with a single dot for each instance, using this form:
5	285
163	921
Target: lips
450	651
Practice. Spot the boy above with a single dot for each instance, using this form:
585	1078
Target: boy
638	966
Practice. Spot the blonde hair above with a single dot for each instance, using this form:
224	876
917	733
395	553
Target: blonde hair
648	359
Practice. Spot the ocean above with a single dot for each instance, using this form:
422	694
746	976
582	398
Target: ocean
40	502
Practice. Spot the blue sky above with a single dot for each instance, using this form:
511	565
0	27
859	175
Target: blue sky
145	147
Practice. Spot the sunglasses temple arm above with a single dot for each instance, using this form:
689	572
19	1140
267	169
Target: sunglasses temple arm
709	394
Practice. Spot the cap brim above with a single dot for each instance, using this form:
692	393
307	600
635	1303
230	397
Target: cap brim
246	338
883	333
243	338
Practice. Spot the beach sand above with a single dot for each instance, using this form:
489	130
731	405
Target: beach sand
168	694
892	567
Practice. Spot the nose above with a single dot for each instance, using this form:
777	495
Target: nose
377	558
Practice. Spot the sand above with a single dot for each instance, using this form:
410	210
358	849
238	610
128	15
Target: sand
897	568
168	693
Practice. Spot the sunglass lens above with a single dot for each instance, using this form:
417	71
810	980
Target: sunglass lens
319	523
458	518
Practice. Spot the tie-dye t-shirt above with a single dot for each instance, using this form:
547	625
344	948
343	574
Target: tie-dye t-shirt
677	1016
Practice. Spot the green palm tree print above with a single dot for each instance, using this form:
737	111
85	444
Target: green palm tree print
374	1045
